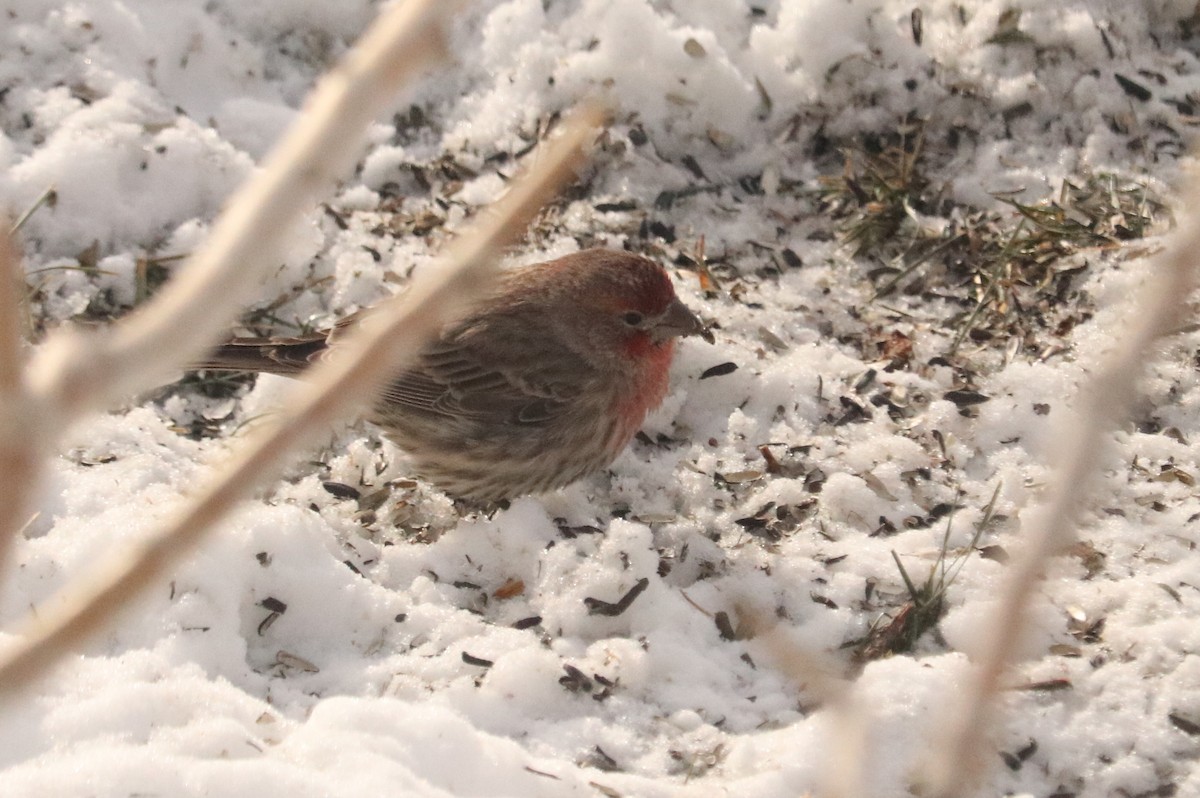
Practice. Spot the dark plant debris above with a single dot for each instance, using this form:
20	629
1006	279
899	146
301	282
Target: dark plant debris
1007	275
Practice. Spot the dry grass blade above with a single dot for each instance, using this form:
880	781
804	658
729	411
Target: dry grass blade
1159	311
390	336
898	630
73	374
48	197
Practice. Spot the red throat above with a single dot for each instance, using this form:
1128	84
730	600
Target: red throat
652	364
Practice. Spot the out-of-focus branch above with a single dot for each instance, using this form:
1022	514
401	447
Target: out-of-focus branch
11	365
847	752
18	450
73	373
388	338
1083	443
847	747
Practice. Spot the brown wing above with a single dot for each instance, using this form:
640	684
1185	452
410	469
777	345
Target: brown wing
500	369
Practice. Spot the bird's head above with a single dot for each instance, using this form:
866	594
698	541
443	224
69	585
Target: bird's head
627	307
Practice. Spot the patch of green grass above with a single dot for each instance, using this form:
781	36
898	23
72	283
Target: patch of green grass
898	630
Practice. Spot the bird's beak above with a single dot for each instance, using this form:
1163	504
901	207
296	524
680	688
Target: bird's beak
679	321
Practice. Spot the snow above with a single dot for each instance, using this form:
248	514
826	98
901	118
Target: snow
397	644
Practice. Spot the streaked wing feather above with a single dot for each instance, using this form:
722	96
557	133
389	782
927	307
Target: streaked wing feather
286	356
466	374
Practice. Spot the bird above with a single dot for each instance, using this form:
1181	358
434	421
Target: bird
542	383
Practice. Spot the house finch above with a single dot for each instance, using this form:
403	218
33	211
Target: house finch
544	382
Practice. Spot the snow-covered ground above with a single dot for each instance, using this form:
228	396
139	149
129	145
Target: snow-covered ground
351	632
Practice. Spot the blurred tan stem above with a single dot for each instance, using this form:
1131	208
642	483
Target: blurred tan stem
74	373
19	455
1160	310
392	336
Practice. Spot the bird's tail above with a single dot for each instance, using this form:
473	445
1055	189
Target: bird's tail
285	356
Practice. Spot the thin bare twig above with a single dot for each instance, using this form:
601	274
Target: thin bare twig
72	373
1083	442
386	339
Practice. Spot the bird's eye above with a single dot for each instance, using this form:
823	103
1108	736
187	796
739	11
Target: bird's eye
632	318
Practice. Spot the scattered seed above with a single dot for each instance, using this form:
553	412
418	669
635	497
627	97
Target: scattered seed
1092	559
510	589
694	48
1172	473
294	662
614	207
724	627
693	166
1172	592
765	101
897	348
602	761
1017	111
599	607
607	792
1184	724
528	623
994	553
965	397
575	680
267	623
773	466
772	340
719	370
725	142
877	487
477	661
1064	650
1134	89
853	412
1047	686
655	518
865	381
1014	761
340	491
740	477
886	528
826	602
572	532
